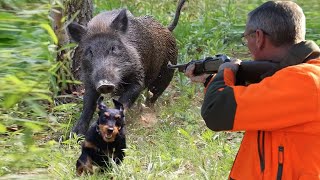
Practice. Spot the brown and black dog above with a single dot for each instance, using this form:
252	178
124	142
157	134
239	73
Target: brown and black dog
105	140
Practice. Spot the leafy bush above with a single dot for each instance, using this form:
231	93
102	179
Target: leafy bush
25	96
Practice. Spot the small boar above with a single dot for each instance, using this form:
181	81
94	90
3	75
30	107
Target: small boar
123	55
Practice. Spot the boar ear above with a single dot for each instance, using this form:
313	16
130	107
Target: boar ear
76	31
118	104
120	23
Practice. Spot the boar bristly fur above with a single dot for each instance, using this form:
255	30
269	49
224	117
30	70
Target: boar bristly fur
123	55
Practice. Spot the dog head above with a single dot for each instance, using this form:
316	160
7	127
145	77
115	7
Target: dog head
111	121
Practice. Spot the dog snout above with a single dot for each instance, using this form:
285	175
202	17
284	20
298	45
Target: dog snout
110	130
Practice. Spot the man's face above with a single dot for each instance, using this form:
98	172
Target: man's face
249	37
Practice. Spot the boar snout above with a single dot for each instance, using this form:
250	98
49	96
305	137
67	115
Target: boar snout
104	87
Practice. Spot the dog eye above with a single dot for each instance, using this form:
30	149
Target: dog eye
107	115
117	117
102	119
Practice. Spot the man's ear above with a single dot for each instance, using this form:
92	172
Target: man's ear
260	38
76	31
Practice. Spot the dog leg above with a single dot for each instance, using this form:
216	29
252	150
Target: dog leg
84	165
119	150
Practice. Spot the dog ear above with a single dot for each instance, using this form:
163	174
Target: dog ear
100	99
100	104
118	104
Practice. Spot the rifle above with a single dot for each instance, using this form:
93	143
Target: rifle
248	72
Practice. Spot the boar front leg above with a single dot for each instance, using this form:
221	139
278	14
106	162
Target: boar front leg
130	95
89	106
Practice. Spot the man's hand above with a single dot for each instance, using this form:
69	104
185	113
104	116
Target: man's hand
233	65
196	79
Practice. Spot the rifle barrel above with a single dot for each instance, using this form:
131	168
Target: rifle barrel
180	67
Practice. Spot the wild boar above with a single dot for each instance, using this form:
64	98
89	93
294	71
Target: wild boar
123	55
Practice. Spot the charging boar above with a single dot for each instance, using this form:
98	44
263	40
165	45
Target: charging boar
123	55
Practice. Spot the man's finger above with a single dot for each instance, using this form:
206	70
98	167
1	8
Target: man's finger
189	70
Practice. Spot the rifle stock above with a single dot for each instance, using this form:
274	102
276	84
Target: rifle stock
254	71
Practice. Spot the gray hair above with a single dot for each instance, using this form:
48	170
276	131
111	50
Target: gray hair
283	21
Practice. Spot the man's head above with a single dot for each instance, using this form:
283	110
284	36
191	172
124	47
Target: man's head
275	25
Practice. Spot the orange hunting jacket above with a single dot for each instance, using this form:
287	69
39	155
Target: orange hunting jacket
280	117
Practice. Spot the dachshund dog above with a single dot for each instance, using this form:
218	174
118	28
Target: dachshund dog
105	140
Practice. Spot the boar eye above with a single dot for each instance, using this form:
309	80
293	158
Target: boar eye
88	52
114	49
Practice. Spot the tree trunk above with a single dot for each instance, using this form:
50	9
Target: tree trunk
80	11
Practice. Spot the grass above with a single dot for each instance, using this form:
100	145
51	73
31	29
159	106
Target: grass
177	145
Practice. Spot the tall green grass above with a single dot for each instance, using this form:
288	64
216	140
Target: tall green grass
177	146
25	94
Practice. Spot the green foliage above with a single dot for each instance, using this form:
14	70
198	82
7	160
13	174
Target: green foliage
25	96
34	123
